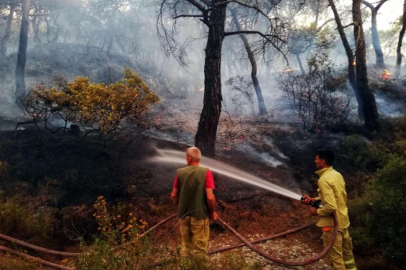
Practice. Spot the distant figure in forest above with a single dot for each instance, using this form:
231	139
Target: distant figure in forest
334	199
193	194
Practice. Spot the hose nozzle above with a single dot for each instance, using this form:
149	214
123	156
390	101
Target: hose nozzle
311	202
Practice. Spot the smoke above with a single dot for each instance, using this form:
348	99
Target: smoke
172	156
265	157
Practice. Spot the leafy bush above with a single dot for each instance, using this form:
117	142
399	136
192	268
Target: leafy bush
92	107
21	219
364	154
386	192
360	212
320	97
118	246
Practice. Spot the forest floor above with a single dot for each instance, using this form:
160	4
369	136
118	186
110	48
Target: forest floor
62	176
64	172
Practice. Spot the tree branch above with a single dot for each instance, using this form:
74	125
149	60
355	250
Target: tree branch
348	25
207	3
324	24
188	16
368	4
244	5
247	32
380	4
374	9
198	5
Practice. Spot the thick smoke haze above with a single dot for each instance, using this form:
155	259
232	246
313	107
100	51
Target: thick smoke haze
98	39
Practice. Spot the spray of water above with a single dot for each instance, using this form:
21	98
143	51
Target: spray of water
173	156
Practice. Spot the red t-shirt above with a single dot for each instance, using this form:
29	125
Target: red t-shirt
209	180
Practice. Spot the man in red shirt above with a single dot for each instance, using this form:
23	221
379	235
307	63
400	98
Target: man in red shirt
193	194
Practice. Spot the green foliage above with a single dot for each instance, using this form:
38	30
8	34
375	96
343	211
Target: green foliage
21	219
360	211
386	193
118	246
378	217
364	154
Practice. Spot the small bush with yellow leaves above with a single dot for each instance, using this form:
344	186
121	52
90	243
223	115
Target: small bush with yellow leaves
92	106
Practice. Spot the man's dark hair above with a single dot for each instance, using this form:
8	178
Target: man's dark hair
327	155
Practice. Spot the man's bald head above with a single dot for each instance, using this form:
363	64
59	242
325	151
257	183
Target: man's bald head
193	155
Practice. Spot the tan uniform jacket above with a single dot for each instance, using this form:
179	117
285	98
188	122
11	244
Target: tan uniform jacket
334	197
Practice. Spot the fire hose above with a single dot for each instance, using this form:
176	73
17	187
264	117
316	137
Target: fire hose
220	221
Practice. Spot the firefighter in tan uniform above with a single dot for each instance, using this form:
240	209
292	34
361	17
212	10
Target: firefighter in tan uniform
193	194
334	198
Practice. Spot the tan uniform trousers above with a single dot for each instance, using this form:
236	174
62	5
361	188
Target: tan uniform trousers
340	253
195	236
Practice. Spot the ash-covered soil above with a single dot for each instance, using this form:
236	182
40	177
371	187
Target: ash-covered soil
68	172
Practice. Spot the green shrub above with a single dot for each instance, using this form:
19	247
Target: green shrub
387	192
21	219
364	154
360	211
118	245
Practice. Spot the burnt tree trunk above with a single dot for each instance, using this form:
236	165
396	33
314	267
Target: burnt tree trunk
22	52
300	64
251	57
399	47
7	33
377	43
35	27
369	105
380	63
351	59
206	134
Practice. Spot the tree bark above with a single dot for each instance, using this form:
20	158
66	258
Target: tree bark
399	47
376	43
35	28
251	57
351	60
22	52
7	33
207	130
300	64
368	98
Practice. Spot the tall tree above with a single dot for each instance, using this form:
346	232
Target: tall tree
369	105
380	63
352	77
213	15
22	51
399	47
251	57
299	42
7	33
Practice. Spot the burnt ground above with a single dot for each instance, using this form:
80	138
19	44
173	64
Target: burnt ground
69	173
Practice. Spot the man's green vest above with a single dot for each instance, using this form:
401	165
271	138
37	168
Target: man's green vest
192	192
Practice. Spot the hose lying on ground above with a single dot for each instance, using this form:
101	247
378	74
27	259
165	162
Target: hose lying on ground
220	221
264	238
35	259
269	257
41	249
